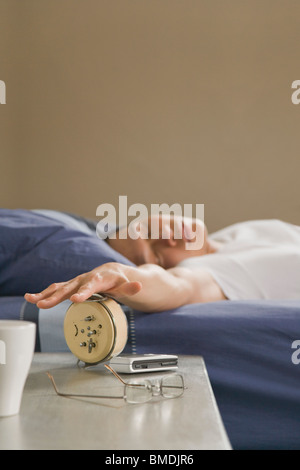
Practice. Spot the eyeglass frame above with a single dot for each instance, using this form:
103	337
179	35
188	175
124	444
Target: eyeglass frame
141	383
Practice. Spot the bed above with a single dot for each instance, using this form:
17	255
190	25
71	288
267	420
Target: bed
247	346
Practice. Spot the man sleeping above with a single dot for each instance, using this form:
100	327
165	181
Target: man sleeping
249	260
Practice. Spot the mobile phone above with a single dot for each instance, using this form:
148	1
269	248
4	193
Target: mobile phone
131	364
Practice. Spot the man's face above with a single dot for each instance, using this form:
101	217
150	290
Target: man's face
161	240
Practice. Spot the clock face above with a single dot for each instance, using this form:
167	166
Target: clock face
91	329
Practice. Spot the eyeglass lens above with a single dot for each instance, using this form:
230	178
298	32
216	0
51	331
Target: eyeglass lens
172	386
142	391
138	391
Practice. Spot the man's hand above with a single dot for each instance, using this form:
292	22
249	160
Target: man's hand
148	287
109	278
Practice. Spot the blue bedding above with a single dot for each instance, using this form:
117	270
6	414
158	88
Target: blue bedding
246	345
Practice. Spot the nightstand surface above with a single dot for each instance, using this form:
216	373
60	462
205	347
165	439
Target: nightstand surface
48	421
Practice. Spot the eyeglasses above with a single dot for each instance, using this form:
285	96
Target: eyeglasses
137	391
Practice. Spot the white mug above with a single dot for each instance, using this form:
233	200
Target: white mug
17	342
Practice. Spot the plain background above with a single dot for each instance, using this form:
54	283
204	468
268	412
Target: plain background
174	101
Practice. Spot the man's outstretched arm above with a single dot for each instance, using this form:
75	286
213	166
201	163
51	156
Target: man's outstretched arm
146	288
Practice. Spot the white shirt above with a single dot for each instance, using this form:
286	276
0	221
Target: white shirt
257	260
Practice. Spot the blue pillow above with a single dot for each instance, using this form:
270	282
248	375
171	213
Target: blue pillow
36	250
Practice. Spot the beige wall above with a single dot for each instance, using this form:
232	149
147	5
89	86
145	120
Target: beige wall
183	101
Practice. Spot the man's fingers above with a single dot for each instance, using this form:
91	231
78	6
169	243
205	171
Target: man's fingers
82	287
77	290
52	300
126	288
84	292
33	298
54	294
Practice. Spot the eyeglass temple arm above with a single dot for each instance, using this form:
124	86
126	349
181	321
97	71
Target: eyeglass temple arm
90	396
54	384
66	394
115	373
135	385
77	395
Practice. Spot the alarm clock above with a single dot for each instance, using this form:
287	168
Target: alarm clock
96	330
